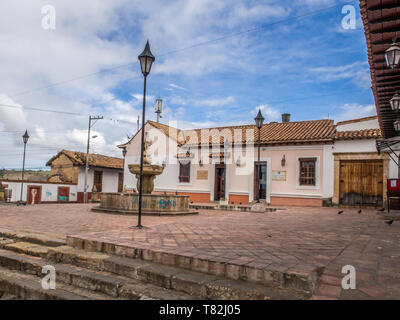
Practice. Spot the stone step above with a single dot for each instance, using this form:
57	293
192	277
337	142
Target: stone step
37	238
303	281
28	248
195	284
95	281
20	285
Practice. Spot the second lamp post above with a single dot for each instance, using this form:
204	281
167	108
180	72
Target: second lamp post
25	138
146	59
259	123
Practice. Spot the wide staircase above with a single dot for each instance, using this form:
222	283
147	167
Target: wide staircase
82	274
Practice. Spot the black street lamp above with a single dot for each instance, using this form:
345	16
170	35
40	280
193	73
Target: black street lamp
25	138
259	123
146	59
395	102
396	125
392	55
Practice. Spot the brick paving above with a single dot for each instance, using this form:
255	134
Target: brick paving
294	239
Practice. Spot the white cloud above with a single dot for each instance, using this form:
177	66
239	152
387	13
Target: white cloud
358	72
12	116
176	86
268	112
217	102
351	111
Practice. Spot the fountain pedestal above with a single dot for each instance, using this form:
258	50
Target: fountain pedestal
152	204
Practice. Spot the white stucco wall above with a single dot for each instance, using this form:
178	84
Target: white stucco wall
368	124
49	191
110	179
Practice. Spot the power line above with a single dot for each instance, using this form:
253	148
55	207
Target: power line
41	110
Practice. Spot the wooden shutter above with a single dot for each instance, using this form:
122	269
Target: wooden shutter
307	171
184	172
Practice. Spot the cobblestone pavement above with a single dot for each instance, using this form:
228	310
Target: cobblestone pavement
296	238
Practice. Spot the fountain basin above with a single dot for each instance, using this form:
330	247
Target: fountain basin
150	171
152	204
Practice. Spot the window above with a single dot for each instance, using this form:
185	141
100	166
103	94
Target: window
307	171
98	179
184	172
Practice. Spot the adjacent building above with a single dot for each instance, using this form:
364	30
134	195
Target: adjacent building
67	179
105	173
308	163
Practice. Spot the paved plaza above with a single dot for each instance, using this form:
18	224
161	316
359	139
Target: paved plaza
295	239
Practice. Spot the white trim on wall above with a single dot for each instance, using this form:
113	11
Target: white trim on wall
212	182
239	193
284	148
296	195
180	190
227	181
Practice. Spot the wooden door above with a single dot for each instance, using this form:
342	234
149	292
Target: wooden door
261	171
63	194
98	180
361	182
219	183
34	195
372	183
120	182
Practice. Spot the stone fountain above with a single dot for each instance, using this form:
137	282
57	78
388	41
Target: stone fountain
150	171
152	204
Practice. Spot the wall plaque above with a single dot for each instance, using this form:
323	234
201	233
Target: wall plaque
202	175
278	175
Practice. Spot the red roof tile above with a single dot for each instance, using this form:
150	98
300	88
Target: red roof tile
95	160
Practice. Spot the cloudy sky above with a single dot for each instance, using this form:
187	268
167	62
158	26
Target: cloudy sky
216	63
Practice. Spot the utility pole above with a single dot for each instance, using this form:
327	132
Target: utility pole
85	199
138	123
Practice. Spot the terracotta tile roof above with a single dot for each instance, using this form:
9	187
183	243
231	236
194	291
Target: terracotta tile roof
273	133
356	120
218	155
174	133
381	24
358	134
95	160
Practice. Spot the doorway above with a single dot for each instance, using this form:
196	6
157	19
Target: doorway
260	170
98	181
34	195
120	182
361	183
219	183
63	194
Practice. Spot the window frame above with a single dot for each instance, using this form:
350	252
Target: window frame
302	180
184	178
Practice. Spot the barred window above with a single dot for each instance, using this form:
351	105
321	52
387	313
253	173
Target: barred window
307	171
184	172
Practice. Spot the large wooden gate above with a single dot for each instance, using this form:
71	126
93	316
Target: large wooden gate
361	182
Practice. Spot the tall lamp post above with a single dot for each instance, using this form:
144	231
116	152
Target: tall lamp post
123	167
146	59
25	138
259	123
